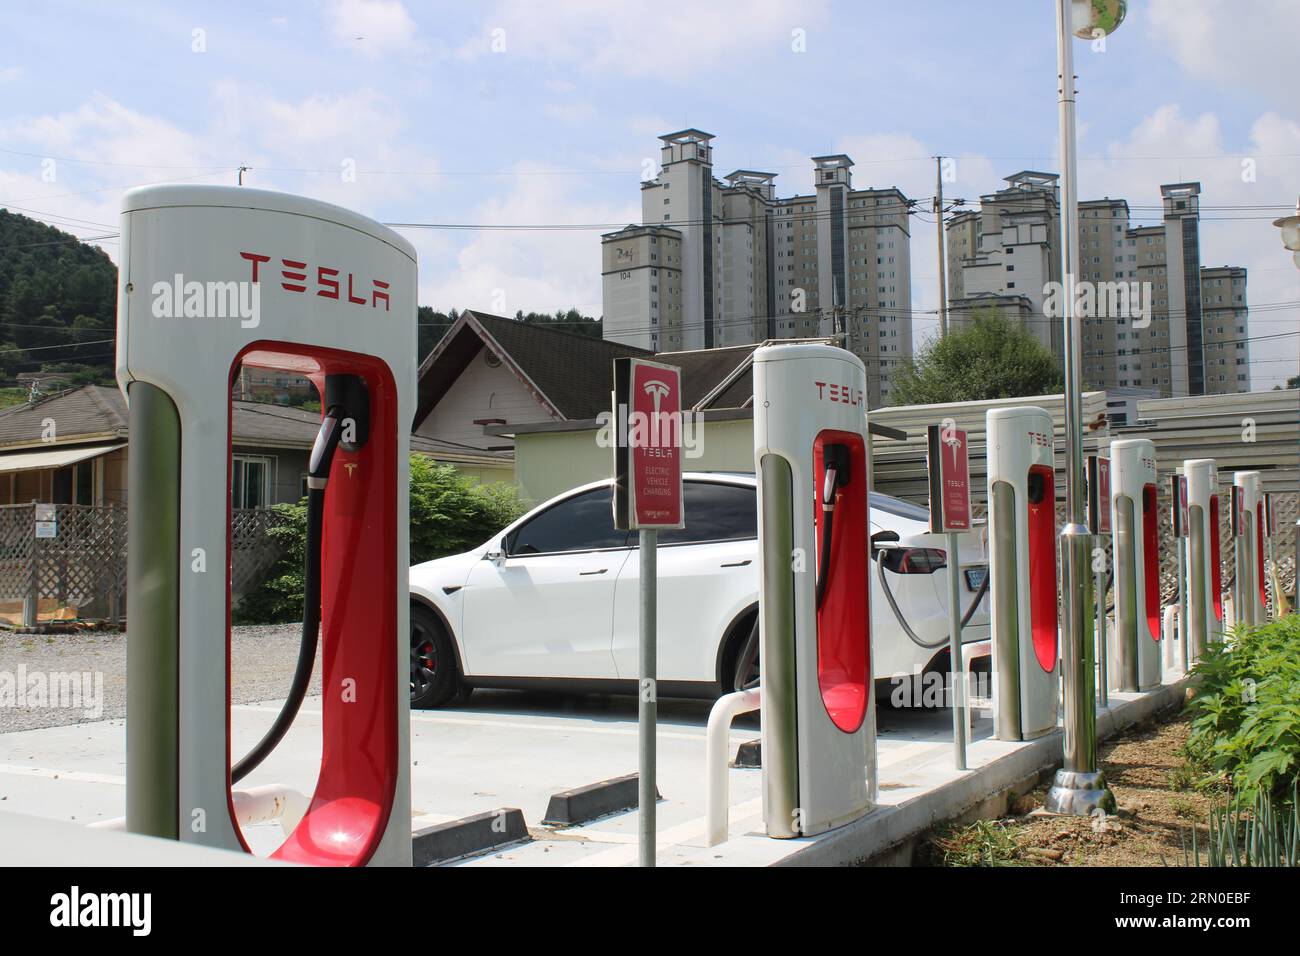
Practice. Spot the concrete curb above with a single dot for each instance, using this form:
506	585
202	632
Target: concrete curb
883	833
469	835
582	804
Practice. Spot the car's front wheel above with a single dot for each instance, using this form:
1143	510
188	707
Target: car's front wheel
434	681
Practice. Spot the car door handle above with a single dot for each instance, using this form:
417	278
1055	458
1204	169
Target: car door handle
738	564
596	571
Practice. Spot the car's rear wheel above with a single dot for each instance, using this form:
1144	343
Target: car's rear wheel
434	681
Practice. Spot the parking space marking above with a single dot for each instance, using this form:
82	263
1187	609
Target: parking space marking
667	839
80	776
494	724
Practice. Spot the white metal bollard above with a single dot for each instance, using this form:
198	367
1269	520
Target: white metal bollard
1170	637
716	751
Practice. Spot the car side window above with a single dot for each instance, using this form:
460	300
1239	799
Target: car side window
584	522
716	512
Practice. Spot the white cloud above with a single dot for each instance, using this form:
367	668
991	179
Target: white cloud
372	27
1249	45
627	37
533	271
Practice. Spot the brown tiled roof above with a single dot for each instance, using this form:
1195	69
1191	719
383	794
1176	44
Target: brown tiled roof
704	369
99	410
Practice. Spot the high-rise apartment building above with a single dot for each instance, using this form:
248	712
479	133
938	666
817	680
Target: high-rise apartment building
1160	339
727	262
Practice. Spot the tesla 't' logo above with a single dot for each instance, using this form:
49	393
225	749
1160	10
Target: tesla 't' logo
351	466
953	441
656	390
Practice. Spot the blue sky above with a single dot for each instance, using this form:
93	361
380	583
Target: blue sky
525	112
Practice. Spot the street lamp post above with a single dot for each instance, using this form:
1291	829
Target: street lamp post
1290	226
1080	787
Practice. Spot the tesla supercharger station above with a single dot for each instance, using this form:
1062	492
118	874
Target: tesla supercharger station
1022	568
1249	598
818	703
1135	518
1204	561
214	278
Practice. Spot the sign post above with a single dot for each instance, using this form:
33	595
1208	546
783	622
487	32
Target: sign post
950	514
1178	489
647	497
1099	528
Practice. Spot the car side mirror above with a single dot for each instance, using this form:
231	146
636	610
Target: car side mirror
496	557
882	539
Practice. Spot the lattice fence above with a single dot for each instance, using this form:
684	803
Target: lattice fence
81	571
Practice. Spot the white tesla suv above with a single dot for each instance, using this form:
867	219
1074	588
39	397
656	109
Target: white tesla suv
551	601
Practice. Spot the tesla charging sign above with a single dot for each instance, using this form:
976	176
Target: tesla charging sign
1098	495
648	453
647	497
1181	519
949	480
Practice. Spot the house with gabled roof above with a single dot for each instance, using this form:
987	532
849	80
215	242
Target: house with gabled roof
70	447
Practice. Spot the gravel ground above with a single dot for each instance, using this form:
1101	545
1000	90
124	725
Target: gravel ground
262	662
1159	804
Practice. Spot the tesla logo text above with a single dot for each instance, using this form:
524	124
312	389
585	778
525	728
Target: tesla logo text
840	394
1040	439
294	278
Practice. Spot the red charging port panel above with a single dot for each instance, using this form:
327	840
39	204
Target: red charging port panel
1216	563
844	619
1042	567
1259	554
358	775
1151	560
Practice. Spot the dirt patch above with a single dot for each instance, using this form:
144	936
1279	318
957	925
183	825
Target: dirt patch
1160	800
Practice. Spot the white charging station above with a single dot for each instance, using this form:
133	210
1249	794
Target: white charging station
1022	568
1250	598
818	700
1204	557
1135	520
212	279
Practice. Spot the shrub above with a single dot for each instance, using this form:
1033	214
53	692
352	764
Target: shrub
1246	712
450	513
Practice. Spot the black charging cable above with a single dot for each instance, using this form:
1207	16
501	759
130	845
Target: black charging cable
318	471
835	460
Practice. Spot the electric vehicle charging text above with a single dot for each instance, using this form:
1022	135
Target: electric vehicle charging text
334	297
1022	569
1135	519
818	713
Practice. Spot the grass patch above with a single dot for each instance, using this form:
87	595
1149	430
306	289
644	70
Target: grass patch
983	843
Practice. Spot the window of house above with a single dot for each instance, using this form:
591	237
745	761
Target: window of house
250	481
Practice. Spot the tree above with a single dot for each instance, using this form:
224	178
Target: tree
449	513
992	357
1293	381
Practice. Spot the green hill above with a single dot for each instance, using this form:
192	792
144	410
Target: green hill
55	293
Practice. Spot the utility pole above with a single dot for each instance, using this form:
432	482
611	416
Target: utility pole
938	226
242	170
